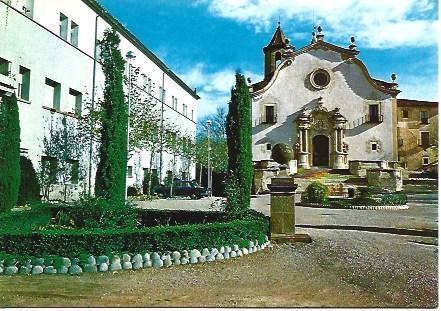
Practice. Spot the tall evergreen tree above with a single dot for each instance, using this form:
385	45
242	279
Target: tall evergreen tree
9	152
111	172
240	165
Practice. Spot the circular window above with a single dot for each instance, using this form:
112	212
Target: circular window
320	78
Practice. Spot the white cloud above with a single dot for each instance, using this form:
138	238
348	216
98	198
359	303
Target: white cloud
213	87
376	24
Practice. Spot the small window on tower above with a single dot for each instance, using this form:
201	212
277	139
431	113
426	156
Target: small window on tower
374	146
278	59
268	147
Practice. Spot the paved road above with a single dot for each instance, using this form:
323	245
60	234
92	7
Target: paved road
422	212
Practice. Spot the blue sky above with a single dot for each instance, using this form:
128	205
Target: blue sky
206	41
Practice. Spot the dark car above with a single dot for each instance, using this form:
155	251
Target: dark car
183	189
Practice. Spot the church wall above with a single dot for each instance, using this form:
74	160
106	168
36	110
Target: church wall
348	90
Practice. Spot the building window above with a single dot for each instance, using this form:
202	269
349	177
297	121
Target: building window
28	8
270	116
74	29
149	85
268	147
76	101
129	171
426	160
53	93
425	139
320	79
63	26
5	67
192	114
50	168
74	171
184	109
374	146
277	59
374	113
405	114
24	83
162	93
424	117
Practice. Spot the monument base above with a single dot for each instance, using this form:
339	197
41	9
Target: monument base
290	238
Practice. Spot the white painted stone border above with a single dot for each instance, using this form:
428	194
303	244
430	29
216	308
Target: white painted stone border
360	207
379	207
126	262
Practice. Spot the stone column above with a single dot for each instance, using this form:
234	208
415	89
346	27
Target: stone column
282	211
340	156
303	124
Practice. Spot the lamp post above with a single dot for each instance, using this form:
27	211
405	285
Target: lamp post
209	180
129	56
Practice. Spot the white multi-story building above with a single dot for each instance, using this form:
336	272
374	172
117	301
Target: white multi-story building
47	52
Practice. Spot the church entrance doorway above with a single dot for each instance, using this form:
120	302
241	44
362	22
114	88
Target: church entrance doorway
320	156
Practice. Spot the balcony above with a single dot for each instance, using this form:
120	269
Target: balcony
368	118
268	119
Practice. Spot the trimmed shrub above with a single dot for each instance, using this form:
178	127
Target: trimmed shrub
394	199
132	192
36	218
282	153
29	187
9	152
163	238
91	213
110	180
240	165
316	192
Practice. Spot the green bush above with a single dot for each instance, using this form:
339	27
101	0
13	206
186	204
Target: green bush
394	199
9	152
29	190
91	213
316	192
71	243
36	218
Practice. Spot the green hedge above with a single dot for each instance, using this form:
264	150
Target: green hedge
71	243
384	199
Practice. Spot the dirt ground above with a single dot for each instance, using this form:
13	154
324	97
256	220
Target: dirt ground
339	269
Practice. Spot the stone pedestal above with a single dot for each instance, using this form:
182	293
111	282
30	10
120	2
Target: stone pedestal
303	160
282	212
340	160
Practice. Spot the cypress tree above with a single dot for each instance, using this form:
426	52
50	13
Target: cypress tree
29	186
240	165
111	172
9	152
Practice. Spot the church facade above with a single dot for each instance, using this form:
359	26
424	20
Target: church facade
321	101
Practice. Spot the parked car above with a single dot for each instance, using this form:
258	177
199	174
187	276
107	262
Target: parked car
183	188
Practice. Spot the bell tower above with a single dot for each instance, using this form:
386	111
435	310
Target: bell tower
274	51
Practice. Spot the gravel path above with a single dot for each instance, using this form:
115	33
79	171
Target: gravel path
339	269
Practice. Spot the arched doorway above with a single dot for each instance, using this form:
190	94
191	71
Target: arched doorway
320	156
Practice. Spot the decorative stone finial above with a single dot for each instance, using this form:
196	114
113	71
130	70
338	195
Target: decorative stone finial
393	77
320	36
314	38
352	46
